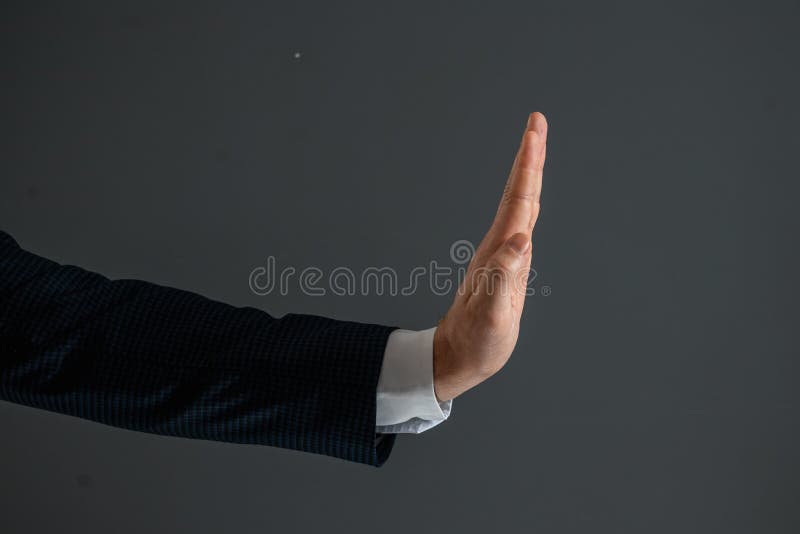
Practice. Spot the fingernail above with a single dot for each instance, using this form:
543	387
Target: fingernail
539	124
520	243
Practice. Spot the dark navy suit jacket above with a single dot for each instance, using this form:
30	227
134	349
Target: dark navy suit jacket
155	359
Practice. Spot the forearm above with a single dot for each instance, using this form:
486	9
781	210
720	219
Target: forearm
145	357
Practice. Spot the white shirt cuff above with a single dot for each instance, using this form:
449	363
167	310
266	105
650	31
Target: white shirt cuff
406	402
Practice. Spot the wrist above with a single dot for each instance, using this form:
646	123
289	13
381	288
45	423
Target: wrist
450	377
442	363
454	371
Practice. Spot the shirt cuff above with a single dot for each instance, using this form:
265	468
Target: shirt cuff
406	402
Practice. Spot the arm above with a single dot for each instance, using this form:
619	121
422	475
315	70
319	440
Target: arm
155	359
160	360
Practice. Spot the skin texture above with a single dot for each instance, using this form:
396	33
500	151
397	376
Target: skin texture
476	337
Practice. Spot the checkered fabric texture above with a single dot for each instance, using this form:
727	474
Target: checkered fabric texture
140	356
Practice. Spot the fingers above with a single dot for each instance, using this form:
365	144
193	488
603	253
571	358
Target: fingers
519	206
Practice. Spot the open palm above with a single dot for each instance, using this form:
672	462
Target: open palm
478	334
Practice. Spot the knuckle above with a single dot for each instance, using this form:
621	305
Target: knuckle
511	196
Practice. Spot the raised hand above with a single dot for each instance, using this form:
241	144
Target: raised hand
477	335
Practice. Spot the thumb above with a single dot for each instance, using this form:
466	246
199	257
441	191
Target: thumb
501	273
510	257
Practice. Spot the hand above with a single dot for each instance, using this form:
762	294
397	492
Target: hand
477	335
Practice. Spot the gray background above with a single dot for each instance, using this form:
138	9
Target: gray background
653	391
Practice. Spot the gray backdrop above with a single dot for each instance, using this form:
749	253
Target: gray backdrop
653	390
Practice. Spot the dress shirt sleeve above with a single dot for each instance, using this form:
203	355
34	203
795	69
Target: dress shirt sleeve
406	402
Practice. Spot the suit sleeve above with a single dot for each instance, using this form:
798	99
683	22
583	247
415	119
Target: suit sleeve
144	357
